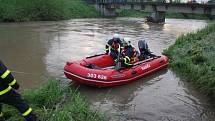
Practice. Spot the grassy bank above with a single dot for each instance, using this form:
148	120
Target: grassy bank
54	102
41	10
135	13
193	57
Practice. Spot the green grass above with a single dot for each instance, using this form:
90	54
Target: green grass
42	10
193	56
56	102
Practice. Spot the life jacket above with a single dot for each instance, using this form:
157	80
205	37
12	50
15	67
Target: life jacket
115	45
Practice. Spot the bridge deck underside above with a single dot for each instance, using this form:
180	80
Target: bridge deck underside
162	7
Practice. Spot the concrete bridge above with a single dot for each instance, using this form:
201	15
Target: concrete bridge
157	9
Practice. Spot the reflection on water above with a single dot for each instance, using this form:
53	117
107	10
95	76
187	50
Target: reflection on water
37	50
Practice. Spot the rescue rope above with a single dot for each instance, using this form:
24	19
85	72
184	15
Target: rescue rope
27	73
39	74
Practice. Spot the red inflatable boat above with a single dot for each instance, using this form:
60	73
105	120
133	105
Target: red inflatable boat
97	71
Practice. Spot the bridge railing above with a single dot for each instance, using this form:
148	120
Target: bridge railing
122	1
131	1
150	1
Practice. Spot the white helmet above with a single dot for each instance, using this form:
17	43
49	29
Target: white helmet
126	41
116	36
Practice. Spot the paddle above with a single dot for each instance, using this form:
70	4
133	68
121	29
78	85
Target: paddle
96	55
118	62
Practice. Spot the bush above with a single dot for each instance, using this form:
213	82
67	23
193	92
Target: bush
36	10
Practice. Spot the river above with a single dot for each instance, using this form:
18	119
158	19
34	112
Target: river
37	51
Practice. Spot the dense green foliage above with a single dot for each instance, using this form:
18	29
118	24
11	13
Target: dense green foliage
33	10
56	102
193	56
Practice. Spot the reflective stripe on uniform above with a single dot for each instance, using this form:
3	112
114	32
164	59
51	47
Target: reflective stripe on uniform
109	49
27	112
5	90
125	61
1	114
13	82
119	49
128	64
128	58
4	75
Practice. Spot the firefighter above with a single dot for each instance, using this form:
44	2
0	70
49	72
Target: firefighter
129	54
114	46
145	52
9	95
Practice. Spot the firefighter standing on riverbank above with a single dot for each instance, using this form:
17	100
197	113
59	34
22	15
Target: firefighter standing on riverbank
8	95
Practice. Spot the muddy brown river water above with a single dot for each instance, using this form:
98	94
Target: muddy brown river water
36	51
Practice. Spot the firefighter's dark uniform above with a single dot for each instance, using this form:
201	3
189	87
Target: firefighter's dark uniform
144	51
129	55
8	95
113	47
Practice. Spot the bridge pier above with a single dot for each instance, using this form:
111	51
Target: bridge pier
156	17
107	12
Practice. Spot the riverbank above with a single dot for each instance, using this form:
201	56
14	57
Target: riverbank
193	57
141	14
56	102
45	10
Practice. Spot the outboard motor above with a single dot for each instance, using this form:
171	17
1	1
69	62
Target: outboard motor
144	50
